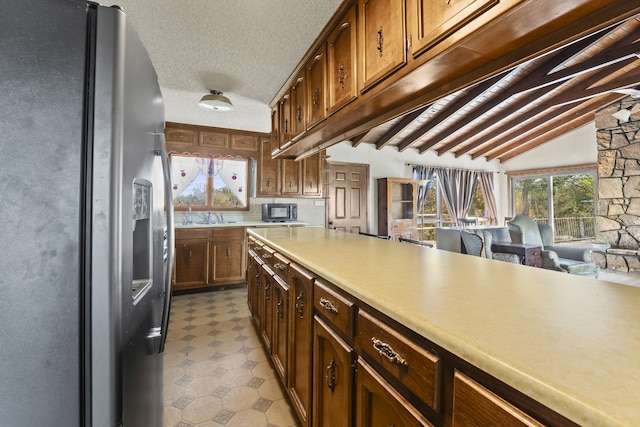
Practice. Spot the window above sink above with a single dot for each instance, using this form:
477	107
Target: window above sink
210	182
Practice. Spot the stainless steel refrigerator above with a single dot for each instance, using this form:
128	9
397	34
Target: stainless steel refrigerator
85	225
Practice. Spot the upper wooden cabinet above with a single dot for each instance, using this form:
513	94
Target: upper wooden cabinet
211	141
299	106
432	21
288	178
291	173
382	41
268	171
285	121
312	175
316	90
341	55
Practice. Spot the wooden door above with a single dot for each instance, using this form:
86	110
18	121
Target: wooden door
285	121
266	313
347	197
253	287
333	378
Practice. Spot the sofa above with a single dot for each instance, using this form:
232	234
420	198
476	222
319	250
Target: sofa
523	229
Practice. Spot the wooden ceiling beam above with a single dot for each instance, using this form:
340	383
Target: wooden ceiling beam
516	131
355	141
397	128
450	109
537	83
572	94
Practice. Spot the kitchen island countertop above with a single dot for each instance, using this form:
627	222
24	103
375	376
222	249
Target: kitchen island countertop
569	342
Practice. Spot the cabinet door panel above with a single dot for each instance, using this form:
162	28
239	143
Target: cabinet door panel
268	171
280	327
291	173
301	315
333	378
474	405
214	139
382	39
266	313
316	91
191	263
433	21
380	405
341	55
298	106
312	175
228	260
285	121
181	136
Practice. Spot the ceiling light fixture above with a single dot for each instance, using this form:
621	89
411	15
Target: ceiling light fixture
215	101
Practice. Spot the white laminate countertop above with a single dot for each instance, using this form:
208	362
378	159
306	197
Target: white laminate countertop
569	342
244	224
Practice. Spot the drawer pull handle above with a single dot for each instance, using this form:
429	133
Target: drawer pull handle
300	304
278	266
281	309
330	375
328	305
387	351
266	256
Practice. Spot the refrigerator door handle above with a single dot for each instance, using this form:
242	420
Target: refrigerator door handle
164	327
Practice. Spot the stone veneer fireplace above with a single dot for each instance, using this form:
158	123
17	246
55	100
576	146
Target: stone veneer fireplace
618	211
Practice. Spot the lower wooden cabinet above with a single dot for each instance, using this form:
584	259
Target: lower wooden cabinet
300	344
228	256
380	405
332	378
474	405
211	256
191	262
343	363
280	310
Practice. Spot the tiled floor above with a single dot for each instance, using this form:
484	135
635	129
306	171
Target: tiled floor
216	372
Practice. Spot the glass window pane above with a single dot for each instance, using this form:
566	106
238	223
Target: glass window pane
530	197
573	206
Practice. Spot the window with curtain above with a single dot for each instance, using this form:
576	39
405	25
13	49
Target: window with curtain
565	200
208	183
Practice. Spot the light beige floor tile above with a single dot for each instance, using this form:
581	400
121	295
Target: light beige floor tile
240	398
281	414
248	417
201	409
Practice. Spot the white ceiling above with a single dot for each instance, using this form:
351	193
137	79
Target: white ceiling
245	48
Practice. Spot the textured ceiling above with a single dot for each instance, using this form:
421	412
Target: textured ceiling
245	48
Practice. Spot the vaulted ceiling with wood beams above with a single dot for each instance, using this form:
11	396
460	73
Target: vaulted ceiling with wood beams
527	106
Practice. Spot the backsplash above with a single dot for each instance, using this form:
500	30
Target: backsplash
308	211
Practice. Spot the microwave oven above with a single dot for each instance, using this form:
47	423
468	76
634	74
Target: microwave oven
279	212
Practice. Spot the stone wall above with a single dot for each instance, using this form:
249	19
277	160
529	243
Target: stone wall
618	211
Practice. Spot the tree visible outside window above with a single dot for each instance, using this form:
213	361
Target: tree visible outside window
567	201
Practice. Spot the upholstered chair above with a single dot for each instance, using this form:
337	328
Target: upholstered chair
560	258
478	243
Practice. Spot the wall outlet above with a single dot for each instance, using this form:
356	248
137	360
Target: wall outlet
318	203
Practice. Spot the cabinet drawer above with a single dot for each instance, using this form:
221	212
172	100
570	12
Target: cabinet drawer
379	404
334	307
277	262
474	405
192	233
415	367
